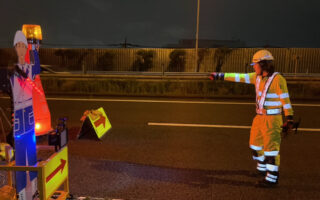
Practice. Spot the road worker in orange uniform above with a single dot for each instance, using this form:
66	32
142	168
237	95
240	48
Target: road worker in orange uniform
272	99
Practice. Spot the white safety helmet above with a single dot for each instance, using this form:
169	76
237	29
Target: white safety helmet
261	55
20	37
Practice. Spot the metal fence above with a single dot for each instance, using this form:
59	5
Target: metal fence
287	60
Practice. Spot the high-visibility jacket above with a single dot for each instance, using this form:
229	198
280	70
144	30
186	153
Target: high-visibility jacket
277	96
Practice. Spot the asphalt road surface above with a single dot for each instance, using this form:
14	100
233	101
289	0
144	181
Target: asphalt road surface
173	149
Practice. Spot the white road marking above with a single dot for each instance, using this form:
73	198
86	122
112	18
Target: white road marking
197	125
217	126
164	101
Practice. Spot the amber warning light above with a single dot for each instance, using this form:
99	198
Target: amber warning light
32	32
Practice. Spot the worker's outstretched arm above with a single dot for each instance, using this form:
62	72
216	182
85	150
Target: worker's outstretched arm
249	78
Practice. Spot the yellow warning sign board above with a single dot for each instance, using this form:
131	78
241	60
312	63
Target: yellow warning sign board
56	171
100	122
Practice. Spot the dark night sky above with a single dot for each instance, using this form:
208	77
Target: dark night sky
288	23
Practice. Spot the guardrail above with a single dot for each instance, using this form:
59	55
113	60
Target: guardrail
166	75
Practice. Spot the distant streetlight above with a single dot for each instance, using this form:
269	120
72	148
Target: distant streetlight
197	37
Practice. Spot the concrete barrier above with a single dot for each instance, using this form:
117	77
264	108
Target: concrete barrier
95	85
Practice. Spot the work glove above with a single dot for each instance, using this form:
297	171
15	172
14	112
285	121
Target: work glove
216	76
288	125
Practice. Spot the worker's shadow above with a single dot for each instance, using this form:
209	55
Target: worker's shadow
193	177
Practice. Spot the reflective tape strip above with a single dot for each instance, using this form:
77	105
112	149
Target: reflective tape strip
273	111
264	92
287	106
269	111
272	95
263	169
261	165
272	103
260	158
271	153
272	176
284	95
272	168
256	148
247	78
271	180
257	87
237	77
